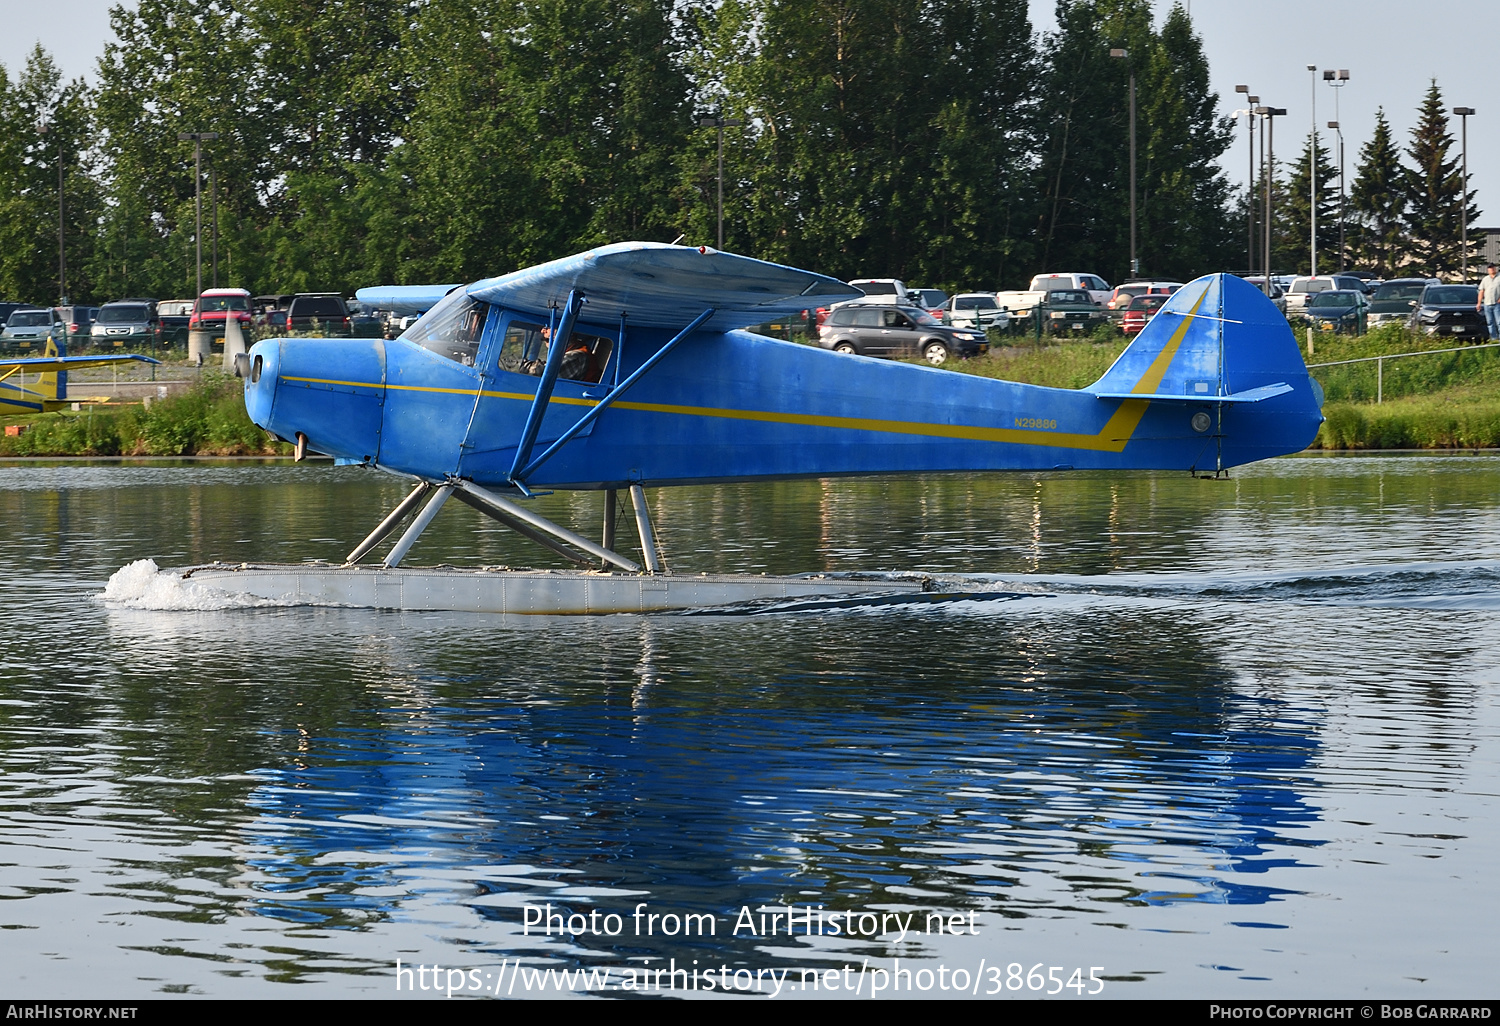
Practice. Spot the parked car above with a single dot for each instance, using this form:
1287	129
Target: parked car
364	322
28	329
1120	299
1278	294
1304	286
896	331
126	323
216	306
1450	310
261	307
1023	304
976	310
931	300
1065	311
1394	301
1338	310
174	315
1140	312
6	309
79	320
323	313
881	290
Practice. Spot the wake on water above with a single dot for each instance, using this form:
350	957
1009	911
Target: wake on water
144	585
1434	585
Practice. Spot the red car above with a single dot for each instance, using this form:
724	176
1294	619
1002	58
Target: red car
216	306
1140	312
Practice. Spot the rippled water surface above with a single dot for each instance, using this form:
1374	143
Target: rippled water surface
1219	738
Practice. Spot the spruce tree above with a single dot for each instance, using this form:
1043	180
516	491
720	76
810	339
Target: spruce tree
1296	212
1377	203
1436	199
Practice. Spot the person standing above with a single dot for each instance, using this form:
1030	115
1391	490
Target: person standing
1489	301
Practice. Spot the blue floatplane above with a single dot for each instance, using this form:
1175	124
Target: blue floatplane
656	383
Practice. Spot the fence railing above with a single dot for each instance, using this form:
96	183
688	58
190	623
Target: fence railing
1379	362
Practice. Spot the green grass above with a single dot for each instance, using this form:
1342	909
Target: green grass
207	420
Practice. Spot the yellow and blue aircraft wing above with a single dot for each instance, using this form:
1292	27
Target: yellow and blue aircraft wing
51	386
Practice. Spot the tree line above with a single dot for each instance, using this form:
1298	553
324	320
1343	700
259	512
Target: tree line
944	142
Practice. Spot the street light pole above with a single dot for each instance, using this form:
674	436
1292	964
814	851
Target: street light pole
1337	80
1135	263
720	124
198	139
1270	114
1463	192
1312	168
1250	181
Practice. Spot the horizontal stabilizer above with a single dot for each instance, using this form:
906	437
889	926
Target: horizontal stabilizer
403	299
1250	395
653	285
46	364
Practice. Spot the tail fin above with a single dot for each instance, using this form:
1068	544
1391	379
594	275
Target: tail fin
1219	340
53	385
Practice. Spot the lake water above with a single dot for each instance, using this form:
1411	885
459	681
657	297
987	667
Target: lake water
1220	738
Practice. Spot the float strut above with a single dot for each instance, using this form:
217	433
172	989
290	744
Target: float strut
643	525
406	541
610	500
388	525
521	528
525	515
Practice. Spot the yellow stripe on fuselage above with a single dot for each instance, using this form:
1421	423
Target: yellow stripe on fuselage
1112	437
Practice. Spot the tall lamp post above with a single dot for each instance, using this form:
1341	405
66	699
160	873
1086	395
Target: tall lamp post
720	124
1135	263
1312	170
1249	182
62	252
1336	79
1270	114
198	139
1463	192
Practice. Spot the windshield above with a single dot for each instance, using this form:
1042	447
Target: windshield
1411	290
452	328
122	314
1060	296
29	319
1302	285
1331	299
876	288
1451	295
974	303
219	304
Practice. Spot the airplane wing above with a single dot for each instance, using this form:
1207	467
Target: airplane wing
404	299
48	364
659	286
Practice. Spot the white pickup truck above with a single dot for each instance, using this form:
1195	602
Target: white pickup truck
1021	304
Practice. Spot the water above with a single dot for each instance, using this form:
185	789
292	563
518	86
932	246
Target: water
1233	738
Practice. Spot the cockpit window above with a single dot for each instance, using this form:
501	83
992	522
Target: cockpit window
525	352
452	328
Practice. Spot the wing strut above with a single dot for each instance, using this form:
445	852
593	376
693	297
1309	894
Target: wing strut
555	347
614	393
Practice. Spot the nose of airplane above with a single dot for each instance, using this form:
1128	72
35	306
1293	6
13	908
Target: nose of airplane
328	390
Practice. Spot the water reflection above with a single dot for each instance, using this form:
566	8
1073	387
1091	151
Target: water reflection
1207	696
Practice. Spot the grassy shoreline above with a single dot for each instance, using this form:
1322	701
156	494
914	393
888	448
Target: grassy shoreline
1443	401
207	419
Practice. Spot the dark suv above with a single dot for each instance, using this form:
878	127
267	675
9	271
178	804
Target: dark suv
1450	310
897	331
320	312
